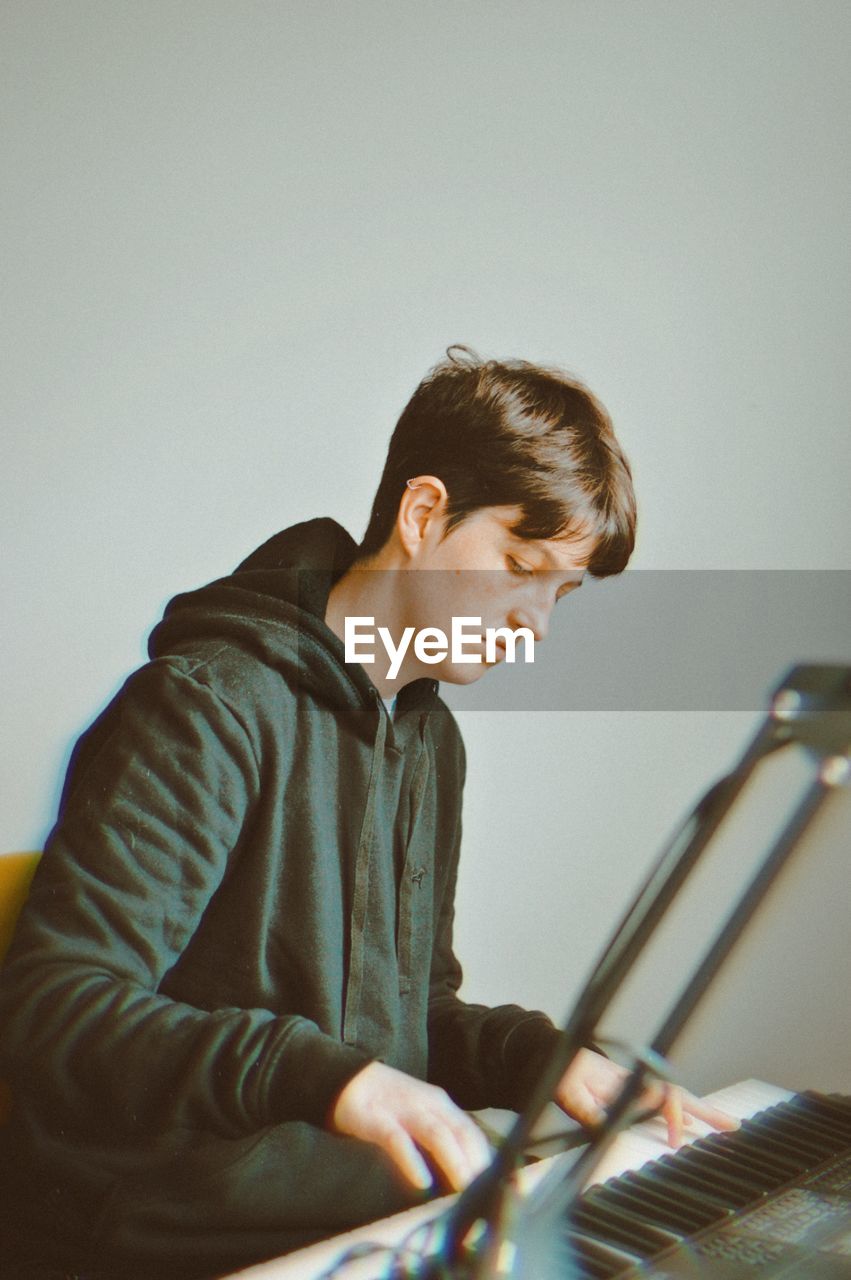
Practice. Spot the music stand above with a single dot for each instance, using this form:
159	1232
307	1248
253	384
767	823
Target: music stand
811	708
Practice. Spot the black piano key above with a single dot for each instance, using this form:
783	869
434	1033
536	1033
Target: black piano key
579	1269
603	1259
707	1175
758	1181
699	1185
834	1133
809	1117
769	1132
680	1201
587	1266
811	1149
812	1129
831	1106
655	1208
682	1191
765	1173
835	1121
742	1139
589	1260
744	1147
841	1101
582	1219
662	1236
620	1228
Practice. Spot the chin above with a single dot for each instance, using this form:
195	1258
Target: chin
463	672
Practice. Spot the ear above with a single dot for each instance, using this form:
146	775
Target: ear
421	514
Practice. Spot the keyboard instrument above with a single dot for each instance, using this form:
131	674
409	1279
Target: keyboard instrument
770	1201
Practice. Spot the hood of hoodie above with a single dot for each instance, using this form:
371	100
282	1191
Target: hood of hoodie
273	606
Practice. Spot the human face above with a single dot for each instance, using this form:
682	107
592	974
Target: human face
483	570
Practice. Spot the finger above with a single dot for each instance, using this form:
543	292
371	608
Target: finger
403	1152
713	1116
463	1151
673	1113
458	1145
434	1137
473	1143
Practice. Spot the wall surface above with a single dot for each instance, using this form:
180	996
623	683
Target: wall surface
236	236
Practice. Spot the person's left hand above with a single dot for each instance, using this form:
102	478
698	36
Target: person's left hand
592	1081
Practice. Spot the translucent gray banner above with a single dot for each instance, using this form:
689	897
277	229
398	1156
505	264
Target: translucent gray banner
673	640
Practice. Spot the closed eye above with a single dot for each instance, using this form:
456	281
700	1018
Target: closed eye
515	567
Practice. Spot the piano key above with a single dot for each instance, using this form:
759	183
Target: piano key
621	1227
609	1236
683	1191
766	1173
835	1118
814	1129
603	1259
806	1115
630	1213
775	1139
747	1098
588	1261
690	1205
745	1147
707	1175
831	1106
750	1173
780	1159
643	1203
795	1137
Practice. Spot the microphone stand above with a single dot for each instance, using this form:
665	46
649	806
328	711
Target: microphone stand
811	707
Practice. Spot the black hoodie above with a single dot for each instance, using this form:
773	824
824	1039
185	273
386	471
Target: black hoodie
248	894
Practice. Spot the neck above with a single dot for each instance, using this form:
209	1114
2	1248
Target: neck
372	589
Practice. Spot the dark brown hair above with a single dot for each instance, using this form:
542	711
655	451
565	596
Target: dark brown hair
511	433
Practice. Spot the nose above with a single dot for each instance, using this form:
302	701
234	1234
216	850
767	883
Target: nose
532	614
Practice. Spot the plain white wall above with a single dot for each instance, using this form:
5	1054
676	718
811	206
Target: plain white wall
236	236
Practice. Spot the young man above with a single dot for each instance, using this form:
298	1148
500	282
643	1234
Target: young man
231	1020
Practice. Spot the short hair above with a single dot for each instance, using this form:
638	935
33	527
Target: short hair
512	433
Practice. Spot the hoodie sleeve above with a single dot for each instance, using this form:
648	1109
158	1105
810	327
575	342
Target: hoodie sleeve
153	814
482	1057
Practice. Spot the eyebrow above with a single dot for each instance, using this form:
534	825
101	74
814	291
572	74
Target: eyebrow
574	576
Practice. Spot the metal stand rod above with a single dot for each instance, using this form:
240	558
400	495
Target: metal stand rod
696	988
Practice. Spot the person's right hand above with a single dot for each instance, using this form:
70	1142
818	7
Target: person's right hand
405	1117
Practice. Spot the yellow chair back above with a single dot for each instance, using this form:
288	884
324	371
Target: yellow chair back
16	872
